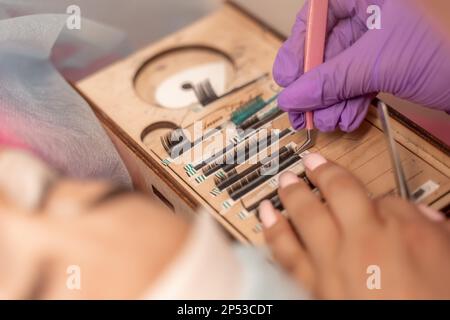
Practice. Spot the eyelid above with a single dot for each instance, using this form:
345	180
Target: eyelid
69	198
113	194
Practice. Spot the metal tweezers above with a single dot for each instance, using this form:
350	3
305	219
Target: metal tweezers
400	178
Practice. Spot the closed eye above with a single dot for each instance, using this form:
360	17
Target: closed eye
112	195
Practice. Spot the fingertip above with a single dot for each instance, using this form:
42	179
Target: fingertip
354	113
352	127
327	119
302	95
280	76
287	67
297	120
291	99
288	179
348	128
431	214
285	100
324	127
313	161
267	214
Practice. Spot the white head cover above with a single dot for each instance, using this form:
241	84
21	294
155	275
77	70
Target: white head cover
210	267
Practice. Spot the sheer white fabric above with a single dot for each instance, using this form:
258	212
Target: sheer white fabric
41	111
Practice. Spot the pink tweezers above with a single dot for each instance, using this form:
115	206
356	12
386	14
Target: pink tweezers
316	31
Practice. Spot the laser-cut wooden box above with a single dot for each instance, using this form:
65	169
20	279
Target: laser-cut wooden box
123	97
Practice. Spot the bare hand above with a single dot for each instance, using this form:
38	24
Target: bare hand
353	247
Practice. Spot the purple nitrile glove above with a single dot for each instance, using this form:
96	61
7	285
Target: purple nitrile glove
407	57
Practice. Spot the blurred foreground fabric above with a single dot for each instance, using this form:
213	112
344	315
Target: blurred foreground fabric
39	110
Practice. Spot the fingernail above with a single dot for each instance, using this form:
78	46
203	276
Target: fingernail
432	214
313	160
288	179
267	214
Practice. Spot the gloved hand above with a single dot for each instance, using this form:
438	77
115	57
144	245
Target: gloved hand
407	57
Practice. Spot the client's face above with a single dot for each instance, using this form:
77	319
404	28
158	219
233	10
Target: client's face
85	240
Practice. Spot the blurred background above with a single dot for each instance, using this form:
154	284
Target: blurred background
144	21
148	20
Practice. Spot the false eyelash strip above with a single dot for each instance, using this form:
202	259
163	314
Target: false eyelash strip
255	149
224	151
176	142
257	121
221	159
226	180
240	155
241	139
240	116
257	178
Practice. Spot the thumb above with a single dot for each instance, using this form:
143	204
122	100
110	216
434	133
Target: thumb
346	76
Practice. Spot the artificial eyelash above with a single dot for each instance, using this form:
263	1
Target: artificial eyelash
233	176
255	179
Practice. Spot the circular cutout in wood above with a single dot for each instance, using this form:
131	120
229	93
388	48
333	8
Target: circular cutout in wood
185	77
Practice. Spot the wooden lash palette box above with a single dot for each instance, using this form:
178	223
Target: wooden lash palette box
179	110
